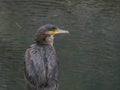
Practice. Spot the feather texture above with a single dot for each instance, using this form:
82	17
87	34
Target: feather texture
41	67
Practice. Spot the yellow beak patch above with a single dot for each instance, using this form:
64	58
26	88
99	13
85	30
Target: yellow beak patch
54	32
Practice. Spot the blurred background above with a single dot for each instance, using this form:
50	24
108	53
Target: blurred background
89	56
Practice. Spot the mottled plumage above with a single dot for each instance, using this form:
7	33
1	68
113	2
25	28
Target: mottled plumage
41	69
41	64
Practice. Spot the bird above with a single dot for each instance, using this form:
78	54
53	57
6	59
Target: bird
41	65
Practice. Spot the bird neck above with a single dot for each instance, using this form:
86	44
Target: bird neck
44	44
49	40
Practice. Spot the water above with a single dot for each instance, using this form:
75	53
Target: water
89	56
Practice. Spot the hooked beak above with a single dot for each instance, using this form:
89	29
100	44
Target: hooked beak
58	31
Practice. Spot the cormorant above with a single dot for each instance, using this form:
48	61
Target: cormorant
41	64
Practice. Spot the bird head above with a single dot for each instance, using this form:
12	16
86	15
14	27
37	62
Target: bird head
45	34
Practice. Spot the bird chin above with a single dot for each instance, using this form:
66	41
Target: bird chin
49	41
51	44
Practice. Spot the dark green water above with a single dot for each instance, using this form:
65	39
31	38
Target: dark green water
89	56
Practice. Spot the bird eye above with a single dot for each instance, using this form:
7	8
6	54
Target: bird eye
53	28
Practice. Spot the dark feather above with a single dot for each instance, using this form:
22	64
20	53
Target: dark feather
41	67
